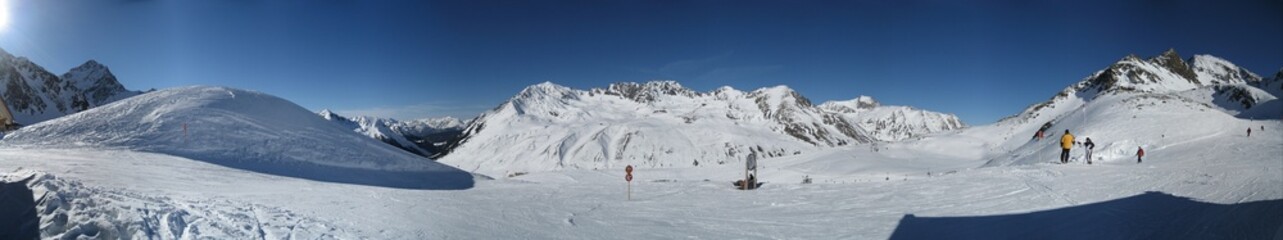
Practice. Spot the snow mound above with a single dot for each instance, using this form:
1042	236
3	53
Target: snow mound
241	129
69	209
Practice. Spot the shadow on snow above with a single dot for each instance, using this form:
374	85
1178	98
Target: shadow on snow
1152	215
447	178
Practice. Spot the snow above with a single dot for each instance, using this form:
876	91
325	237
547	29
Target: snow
376	128
241	129
892	123
1205	176
34	94
850	202
661	124
125	170
1213	70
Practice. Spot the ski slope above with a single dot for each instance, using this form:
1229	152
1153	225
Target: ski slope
130	188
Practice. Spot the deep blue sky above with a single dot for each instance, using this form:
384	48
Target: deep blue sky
981	60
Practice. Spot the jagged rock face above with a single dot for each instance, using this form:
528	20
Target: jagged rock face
96	81
647	92
1238	94
1171	61
35	95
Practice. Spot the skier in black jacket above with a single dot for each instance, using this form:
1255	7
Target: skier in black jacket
1089	146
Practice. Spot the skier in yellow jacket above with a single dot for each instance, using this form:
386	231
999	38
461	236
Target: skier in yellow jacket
1066	142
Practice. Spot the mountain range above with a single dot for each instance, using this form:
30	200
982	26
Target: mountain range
427	137
663	124
34	94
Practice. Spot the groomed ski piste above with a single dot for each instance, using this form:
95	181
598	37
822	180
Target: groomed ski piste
256	166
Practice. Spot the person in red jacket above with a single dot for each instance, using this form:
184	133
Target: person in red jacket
1140	152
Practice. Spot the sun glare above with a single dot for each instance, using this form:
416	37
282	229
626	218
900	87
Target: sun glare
4	15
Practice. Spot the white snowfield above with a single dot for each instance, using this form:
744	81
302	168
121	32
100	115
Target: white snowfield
99	174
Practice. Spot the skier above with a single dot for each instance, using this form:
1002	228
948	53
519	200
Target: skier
1249	131
1089	146
1140	152
1066	142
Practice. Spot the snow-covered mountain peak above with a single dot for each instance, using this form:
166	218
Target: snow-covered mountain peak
891	123
866	102
661	123
1213	70
544	89
35	94
647	92
857	104
328	115
415	136
778	96
726	93
1163	73
438	123
90	65
99	85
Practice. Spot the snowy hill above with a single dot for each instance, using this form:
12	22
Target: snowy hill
35	95
241	129
662	124
892	123
1135	103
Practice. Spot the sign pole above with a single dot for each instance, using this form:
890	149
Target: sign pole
628	176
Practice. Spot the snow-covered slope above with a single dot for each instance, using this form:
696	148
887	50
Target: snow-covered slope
35	95
1163	74
1132	103
892	123
242	129
1213	70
